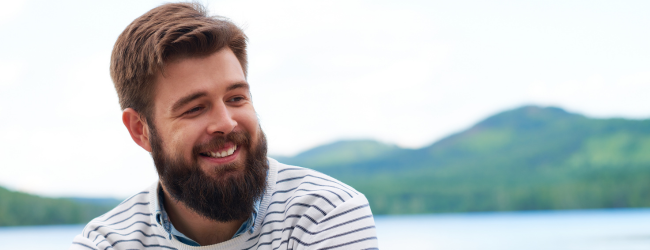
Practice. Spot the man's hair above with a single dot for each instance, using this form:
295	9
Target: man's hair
167	32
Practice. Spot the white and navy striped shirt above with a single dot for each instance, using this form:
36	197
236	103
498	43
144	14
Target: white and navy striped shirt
301	209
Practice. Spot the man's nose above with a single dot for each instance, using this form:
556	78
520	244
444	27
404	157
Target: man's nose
221	120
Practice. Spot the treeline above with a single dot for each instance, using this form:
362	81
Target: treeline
18	209
606	188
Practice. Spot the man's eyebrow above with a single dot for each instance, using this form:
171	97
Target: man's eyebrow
238	85
187	99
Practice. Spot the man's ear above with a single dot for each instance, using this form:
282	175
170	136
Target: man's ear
137	127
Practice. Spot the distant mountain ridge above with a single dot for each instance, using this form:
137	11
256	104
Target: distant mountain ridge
522	159
344	152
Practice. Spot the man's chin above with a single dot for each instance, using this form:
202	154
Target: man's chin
223	172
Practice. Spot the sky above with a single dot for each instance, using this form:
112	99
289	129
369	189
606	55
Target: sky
401	72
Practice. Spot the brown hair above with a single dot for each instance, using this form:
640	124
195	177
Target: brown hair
167	32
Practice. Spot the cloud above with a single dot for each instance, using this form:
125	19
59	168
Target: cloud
71	136
10	10
10	73
596	95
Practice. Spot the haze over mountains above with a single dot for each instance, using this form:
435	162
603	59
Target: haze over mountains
530	158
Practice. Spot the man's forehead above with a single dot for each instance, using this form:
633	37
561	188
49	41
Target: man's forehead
220	71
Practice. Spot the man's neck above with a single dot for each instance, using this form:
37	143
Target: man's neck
196	227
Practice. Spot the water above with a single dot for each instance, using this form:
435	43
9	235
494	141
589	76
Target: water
624	229
38	237
621	229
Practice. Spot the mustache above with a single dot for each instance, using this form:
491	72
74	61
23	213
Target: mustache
238	138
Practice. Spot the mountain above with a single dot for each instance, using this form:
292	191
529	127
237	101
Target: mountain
529	158
18	209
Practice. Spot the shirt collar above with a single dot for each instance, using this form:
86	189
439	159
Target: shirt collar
163	220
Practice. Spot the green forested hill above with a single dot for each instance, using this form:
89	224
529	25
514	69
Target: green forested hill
525	159
17	209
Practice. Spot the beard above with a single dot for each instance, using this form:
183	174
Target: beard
226	194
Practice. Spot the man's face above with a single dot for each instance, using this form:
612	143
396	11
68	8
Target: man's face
197	99
206	141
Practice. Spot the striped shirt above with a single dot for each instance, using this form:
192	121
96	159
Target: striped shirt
301	209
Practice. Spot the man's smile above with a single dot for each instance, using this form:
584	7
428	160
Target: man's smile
224	154
228	150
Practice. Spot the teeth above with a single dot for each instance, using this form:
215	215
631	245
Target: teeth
223	153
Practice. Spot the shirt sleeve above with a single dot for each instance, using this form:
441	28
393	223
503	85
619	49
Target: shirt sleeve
349	226
82	243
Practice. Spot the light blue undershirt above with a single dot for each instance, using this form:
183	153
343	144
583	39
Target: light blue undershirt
163	220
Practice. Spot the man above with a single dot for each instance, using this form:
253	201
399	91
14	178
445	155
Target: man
181	80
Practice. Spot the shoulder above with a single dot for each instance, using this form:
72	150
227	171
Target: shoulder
320	210
130	224
293	178
322	192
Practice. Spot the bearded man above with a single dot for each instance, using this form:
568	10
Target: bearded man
181	80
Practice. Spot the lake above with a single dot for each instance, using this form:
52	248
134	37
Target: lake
613	229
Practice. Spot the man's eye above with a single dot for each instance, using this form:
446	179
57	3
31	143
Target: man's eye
193	110
236	99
